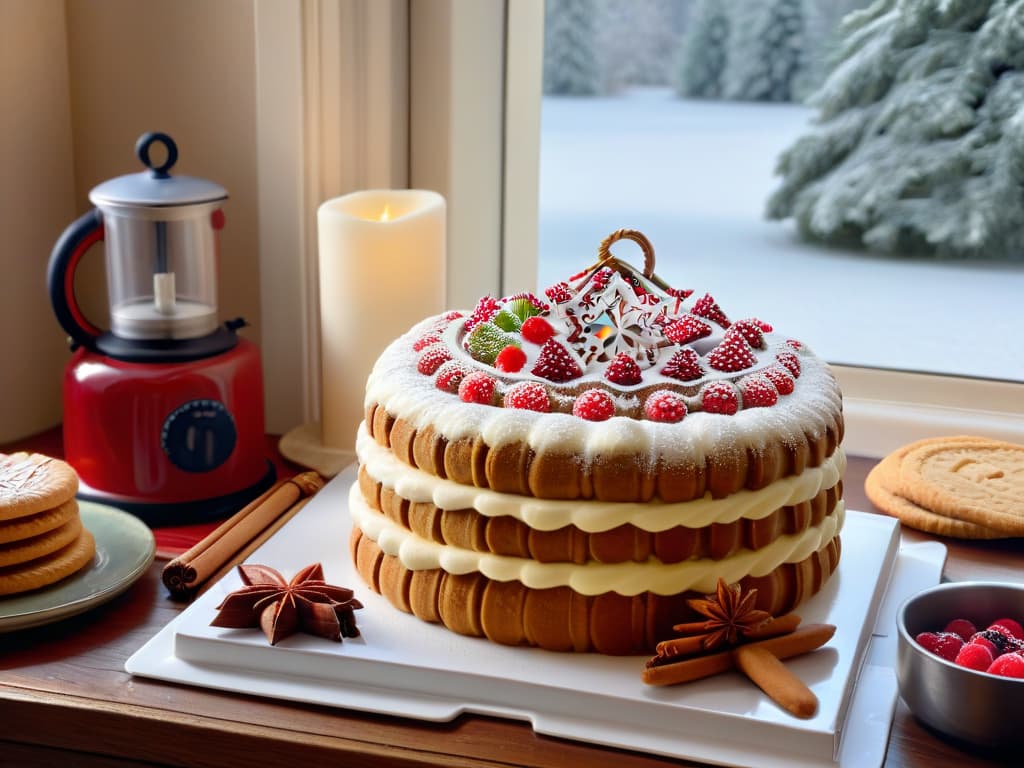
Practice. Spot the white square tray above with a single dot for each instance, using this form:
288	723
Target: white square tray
403	666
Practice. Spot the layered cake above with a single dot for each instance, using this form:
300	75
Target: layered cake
567	471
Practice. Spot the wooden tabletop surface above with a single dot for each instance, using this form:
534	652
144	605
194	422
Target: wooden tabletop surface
65	699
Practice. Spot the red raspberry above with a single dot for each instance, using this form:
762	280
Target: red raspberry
751	332
791	362
794	344
665	406
765	327
974	657
537	330
720	397
528	396
1011	626
686	329
425	341
558	293
594	405
780	377
485	309
706	306
623	370
511	359
757	391
945	645
450	375
1008	665
732	354
477	387
980	639
555	363
432	359
684	365
961	627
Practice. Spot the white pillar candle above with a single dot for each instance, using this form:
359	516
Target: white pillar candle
382	262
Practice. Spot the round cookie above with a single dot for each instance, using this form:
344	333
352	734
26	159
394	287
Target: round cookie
25	550
33	525
878	487
32	482
44	571
977	482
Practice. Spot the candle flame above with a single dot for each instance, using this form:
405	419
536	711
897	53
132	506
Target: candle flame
385	214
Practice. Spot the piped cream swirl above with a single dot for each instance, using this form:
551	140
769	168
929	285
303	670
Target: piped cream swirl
594	516
592	578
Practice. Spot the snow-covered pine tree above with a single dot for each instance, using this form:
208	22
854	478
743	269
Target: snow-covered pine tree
637	40
705	51
570	59
767	50
919	140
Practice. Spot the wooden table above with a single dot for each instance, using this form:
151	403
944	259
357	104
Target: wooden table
65	699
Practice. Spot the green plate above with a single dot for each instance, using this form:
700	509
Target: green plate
124	550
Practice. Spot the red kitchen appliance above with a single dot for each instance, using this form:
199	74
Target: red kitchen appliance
163	413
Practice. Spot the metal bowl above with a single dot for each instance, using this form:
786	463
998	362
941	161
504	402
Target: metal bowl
976	707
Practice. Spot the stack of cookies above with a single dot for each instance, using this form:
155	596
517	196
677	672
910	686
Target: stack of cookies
42	539
964	487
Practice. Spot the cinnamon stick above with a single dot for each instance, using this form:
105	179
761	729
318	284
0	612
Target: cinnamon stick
236	537
774	678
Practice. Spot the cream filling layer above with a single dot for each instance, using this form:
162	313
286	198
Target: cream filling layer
593	516
418	554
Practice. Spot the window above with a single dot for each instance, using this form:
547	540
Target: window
635	158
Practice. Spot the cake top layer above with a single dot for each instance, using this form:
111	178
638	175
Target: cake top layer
610	341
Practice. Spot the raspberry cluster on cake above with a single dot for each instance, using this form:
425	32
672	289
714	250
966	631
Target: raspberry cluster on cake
567	472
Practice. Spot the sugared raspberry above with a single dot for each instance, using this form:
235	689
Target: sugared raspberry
795	344
791	362
974	657
684	365
453	315
757	391
477	387
706	306
485	309
594	405
425	341
556	363
528	396
1011	626
961	627
537	330
732	354
450	375
749	331
765	327
946	645
511	359
1008	665
432	359
780	377
558	293
623	370
686	329
720	397
665	406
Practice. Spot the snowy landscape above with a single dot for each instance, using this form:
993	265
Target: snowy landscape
695	177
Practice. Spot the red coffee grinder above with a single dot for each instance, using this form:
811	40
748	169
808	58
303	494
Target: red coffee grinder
163	413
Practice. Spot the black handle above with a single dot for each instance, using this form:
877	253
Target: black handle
68	251
147	140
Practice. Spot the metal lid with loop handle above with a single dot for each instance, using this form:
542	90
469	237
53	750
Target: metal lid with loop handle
161	236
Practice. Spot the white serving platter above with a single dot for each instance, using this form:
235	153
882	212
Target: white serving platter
403	666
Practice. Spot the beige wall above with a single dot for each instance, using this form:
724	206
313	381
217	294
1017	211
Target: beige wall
36	203
81	93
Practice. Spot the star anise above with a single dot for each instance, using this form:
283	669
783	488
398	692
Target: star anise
280	607
730	615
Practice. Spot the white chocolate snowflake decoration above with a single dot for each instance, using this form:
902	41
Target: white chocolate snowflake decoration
612	309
